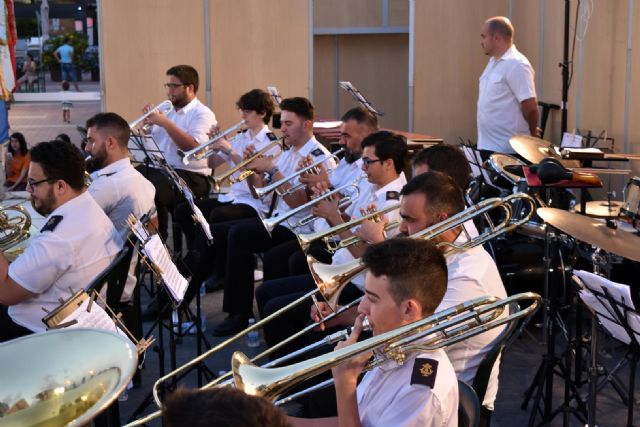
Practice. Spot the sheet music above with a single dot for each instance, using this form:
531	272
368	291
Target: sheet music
326	125
175	282
620	293
97	318
139	146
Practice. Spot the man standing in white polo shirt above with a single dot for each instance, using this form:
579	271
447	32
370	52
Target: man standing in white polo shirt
507	103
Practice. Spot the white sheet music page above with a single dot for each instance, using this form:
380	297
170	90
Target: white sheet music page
97	318
620	293
175	282
199	217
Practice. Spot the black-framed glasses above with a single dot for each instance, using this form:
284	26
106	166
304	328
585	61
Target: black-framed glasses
31	184
173	85
368	162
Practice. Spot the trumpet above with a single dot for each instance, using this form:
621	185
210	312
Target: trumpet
442	329
164	107
205	150
272	222
312	168
305	239
219	179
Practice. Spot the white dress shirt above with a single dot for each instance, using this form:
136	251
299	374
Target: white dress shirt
382	198
288	164
387	397
121	190
196	119
472	274
239	192
76	244
504	84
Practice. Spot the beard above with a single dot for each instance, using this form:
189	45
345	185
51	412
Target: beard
97	161
45	205
178	102
350	156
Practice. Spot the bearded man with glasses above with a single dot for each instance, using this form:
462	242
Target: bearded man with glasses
77	242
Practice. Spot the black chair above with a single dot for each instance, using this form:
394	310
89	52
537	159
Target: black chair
468	406
481	380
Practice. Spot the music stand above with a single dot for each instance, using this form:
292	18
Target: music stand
611	306
359	97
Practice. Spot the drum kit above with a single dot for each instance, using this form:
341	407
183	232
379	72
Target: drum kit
608	227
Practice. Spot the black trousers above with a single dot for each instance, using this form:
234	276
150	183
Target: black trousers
272	295
287	259
167	197
10	330
246	238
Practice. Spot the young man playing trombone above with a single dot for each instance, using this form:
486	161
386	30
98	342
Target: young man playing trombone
427	199
421	391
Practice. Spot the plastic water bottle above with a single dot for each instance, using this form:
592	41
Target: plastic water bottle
203	318
253	337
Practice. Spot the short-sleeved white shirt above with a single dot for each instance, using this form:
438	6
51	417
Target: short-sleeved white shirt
387	397
63	260
239	192
121	190
288	163
504	84
196	119
472	274
370	194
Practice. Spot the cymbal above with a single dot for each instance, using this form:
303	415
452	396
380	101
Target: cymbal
603	208
536	149
593	231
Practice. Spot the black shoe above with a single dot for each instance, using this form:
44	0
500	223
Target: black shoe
233	324
213	284
152	312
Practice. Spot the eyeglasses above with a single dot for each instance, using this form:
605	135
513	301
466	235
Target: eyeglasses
173	85
367	162
31	184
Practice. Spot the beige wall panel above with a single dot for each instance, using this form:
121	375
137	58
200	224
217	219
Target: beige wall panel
448	63
324	82
346	13
271	54
377	66
399	13
140	41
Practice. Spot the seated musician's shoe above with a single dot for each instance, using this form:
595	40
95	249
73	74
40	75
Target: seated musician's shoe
152	312
213	284
233	324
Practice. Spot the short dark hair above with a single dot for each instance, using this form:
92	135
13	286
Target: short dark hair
65	85
502	26
114	124
363	117
22	141
63	137
60	160
441	192
447	159
186	74
223	407
259	101
302	107
388	145
415	268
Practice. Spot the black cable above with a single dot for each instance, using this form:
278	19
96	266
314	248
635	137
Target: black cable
573	45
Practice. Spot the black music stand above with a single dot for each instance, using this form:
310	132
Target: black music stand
615	315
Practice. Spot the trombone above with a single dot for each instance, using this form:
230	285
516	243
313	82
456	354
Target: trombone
305	239
312	168
205	150
272	222
220	178
442	329
331	279
164	107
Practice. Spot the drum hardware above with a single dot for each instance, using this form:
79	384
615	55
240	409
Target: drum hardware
534	150
631	194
